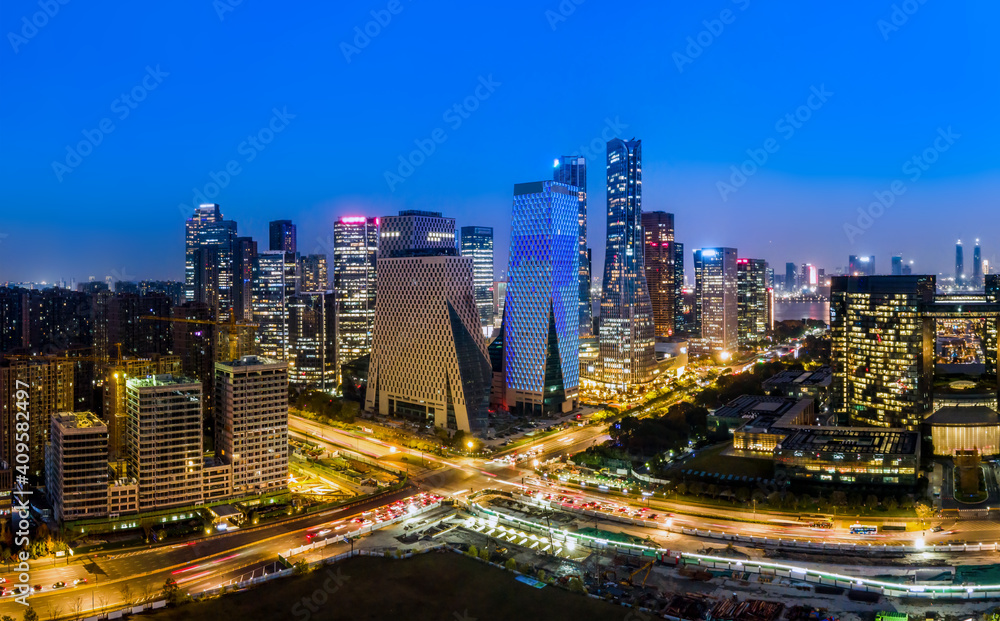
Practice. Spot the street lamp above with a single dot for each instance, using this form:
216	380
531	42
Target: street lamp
647	495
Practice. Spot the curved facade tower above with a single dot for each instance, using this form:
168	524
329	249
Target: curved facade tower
626	337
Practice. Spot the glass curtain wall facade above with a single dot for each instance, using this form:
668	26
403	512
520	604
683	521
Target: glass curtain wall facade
355	241
572	170
477	242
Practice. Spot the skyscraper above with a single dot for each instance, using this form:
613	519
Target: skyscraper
572	170
541	327
50	390
861	265
977	266
626	337
791	281
477	242
959	264
315	277
413	230
282	236
715	301
246	258
203	215
882	349
276	280
658	231
897	265
312	340
76	466
680	325
752	303
355	247
429	360
251	427
212	250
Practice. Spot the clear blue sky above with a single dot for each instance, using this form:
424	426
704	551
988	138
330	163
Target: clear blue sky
115	211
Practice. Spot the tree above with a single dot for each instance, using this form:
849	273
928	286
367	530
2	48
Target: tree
30	615
171	592
127	594
511	565
541	575
576	585
473	551
682	489
906	503
713	490
871	501
838	499
891	503
742	495
77	607
774	499
923	510
484	554
6	618
696	488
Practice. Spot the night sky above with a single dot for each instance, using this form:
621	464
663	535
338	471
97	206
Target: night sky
309	117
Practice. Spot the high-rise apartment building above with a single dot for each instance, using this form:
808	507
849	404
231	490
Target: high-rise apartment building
882	349
861	265
163	448
429	360
76	466
115	408
715	301
752	301
315	276
572	170
977	266
354	279
626	338
542	323
50	383
276	280
414	230
252	423
282	236
658	230
477	242
680	325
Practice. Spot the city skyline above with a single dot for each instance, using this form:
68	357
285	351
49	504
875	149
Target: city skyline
820	174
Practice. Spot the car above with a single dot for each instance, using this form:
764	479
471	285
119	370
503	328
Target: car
59	585
80	581
936	529
38	587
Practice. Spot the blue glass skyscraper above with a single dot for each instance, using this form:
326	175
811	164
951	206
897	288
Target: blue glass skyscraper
627	356
541	316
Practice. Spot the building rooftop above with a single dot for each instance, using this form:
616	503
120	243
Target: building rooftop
78	420
752	406
161	380
857	440
251	361
822	376
954	416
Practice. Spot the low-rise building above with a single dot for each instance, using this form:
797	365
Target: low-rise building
855	455
813	385
955	429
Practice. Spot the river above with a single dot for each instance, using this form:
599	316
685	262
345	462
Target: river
791	309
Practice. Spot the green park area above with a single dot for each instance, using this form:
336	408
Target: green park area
432	586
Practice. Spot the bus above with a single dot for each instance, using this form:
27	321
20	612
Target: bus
858	529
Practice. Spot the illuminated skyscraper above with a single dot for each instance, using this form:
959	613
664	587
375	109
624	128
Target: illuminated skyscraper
977	266
355	241
415	230
210	267
572	170
282	236
246	257
752	301
658	229
314	273
312	337
541	324
203	215
679	323
477	242
791	279
715	301
276	280
959	264
897	265
626	339
861	265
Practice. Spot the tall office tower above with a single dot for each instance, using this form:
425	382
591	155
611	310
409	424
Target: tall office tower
276	279
429	359
897	265
50	390
977	266
959	264
477	242
907	269
882	349
626	337
282	236
243	264
572	170
715	301
658	231
355	247
312	330
203	215
769	276
791	280
115	410
498	390
752	307
542	323
315	277
680	325
861	265
251	429
415	230
76	466
499	300
163	445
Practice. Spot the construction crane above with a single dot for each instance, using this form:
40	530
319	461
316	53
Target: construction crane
648	567
230	328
